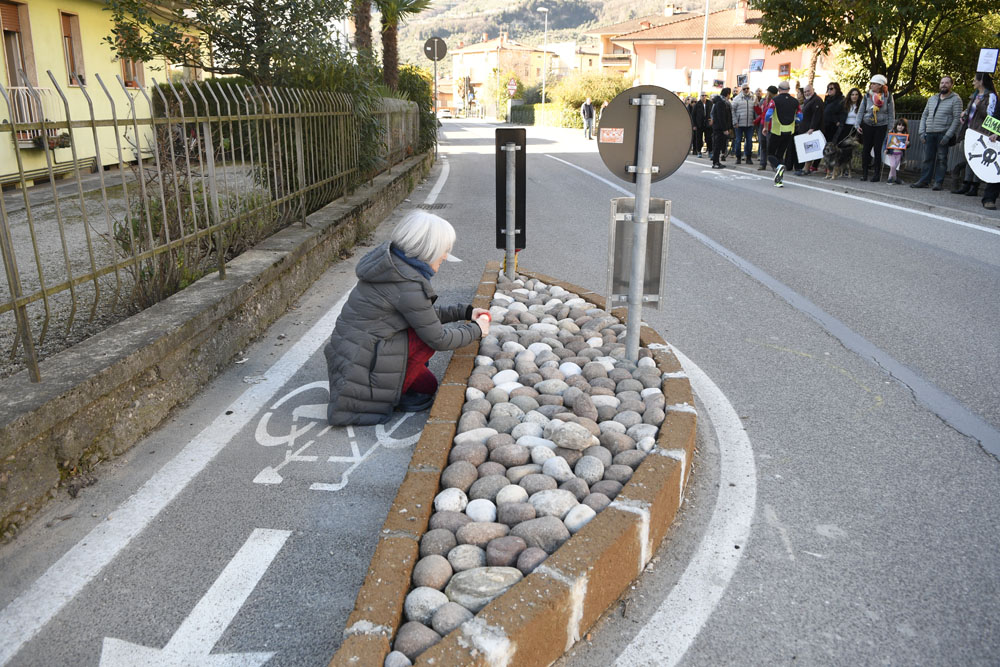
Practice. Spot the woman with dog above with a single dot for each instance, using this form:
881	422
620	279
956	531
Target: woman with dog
875	116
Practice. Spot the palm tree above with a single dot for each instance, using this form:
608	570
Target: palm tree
394	11
363	25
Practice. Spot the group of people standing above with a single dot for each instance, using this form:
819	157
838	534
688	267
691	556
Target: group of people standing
859	118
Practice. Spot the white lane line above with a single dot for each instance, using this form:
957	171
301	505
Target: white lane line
35	607
876	202
202	629
442	177
668	634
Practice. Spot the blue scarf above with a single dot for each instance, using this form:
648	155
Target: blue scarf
423	267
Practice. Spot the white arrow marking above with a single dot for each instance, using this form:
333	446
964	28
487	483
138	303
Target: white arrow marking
203	627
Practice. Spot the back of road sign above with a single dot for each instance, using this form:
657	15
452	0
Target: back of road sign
618	133
620	252
516	136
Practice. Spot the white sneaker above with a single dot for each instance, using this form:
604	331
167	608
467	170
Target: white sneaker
779	174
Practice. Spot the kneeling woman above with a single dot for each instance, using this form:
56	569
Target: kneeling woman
389	327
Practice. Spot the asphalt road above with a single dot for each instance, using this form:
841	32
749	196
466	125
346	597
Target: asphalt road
872	534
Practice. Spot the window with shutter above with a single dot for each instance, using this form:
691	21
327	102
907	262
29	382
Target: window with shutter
13	47
72	49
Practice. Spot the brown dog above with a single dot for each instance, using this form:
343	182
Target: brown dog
837	157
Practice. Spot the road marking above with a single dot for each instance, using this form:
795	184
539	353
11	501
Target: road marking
673	627
927	214
194	639
442	178
946	407
772	518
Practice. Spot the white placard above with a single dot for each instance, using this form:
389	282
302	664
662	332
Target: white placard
809	146
982	155
987	60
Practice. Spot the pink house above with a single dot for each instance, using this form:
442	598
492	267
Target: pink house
668	54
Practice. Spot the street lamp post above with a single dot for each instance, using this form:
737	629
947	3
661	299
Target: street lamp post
704	49
545	56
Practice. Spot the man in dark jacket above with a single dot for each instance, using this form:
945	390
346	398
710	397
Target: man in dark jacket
699	123
780	130
812	121
722	125
389	326
587	113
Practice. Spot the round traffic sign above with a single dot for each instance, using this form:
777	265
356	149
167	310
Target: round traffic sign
618	133
435	48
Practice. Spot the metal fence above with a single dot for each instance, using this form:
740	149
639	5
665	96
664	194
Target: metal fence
165	187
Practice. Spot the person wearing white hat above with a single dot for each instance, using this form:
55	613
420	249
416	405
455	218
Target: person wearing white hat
876	115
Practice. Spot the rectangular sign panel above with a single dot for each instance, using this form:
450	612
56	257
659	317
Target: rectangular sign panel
620	252
514	135
987	60
612	135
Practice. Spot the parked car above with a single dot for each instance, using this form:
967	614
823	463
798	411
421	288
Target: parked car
444	113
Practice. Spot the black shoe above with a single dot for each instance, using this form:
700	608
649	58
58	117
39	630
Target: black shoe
963	189
973	191
918	184
937	187
864	175
875	178
413	402
990	205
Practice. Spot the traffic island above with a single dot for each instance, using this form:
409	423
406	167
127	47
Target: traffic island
548	474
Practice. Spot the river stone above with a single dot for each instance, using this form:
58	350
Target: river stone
568	368
504	551
448	617
547	533
573	436
640	431
471	421
550	406
597	501
527	429
605	401
480	534
539	348
628	418
646	445
414	638
459	475
512	493
541	454
654	416
603	383
544	328
517	473
499	440
480	405
438	541
481	510
432	571
481	381
602	453
504	376
506	410
421	603
488	468
504	424
397	659
486	488
612	427
632	404
472	452
577	487
475	588
553	502
628	385
534	483
451	500
497	395
589	469
529	559
511	455
524	402
584	407
608	487
618	473
570	395
630	457
553	387
578	517
467	556
570	455
448	520
558	469
616	442
512	514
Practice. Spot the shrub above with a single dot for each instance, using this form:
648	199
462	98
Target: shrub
572	90
415	84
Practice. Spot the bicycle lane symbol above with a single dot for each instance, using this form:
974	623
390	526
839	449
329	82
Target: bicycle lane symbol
310	418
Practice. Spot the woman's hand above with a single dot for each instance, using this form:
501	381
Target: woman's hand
483	320
476	312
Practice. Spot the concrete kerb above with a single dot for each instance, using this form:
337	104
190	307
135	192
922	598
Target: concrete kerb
99	397
541	617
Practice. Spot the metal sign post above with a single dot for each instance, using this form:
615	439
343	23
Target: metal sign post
435	49
643	171
511	149
510	193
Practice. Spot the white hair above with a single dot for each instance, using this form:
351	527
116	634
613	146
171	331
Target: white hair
424	235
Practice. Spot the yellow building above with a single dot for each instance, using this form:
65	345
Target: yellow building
53	46
482	61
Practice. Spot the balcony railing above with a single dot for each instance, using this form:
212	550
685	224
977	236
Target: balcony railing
31	110
616	59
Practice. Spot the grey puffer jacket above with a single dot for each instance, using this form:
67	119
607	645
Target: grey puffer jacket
367	353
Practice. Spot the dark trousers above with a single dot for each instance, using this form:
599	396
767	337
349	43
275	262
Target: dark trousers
777	148
695	142
872	137
718	146
935	164
744	136
761	146
705	137
991	192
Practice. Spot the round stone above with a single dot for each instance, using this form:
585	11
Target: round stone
506	410
450	500
597	501
511	455
481	381
616	442
602	453
589	469
630	457
481	510
573	436
602	401
607	487
618	473
432	571
421	603
497	395
451	521
578	517
504	424
634	405
473	452
499	440
584	407
414	638
531	441
535	482
526	430
475	588
568	368
640	431
570	455
628	418
529	559
553	502
646	445
480	534
470	421
517	473
541	454
438	541
577	487
487	487
557	469
504	376
478	436
459	475
512	493
491	468
472	394
397	659
628	385
511	514
448	617
504	551
553	387
466	557
547	533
